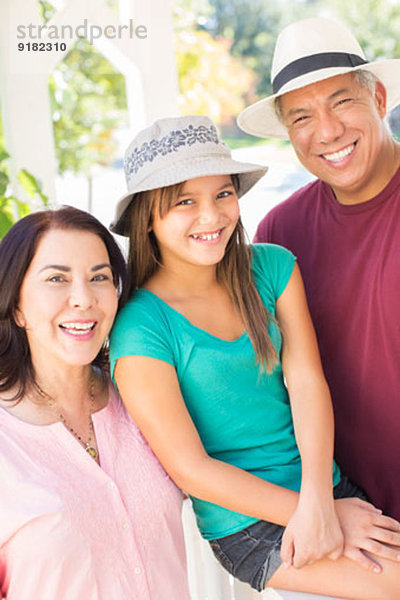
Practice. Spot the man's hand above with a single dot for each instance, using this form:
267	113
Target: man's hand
368	534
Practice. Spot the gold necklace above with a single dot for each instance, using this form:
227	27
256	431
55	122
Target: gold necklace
89	444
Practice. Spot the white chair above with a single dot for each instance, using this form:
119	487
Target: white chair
209	581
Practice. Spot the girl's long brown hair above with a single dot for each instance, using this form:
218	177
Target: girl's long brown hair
233	272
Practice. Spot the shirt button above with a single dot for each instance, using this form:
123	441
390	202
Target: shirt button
125	526
137	570
111	485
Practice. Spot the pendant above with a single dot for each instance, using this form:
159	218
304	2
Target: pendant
92	452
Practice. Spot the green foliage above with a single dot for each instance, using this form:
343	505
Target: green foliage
253	28
211	80
88	100
375	23
11	208
31	186
47	10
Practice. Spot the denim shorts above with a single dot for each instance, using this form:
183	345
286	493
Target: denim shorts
253	554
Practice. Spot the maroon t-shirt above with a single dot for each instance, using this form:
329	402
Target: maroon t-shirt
349	257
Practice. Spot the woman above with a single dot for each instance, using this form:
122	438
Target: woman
86	510
200	361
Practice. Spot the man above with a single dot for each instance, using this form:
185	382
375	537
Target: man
344	227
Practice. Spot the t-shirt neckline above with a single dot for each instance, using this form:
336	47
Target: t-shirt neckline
385	194
242	337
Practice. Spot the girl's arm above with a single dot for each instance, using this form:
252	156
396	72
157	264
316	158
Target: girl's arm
151	393
314	524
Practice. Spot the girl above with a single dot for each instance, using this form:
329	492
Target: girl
200	354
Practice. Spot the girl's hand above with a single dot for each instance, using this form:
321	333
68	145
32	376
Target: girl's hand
367	532
312	533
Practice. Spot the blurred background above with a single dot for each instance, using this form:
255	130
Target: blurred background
67	116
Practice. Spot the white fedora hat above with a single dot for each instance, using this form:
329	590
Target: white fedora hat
306	52
172	151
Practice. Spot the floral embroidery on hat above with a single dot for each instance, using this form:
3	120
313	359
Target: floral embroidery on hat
148	151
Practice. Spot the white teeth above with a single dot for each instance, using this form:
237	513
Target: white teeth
337	156
207	236
88	325
78	328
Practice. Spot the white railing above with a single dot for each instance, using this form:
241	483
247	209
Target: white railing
209	581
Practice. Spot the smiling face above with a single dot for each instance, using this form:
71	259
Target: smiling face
336	128
199	223
67	300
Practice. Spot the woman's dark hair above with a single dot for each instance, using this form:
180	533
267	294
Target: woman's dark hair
17	250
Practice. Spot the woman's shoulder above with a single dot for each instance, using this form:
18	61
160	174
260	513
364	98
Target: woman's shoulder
115	407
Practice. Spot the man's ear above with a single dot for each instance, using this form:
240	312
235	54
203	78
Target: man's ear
380	98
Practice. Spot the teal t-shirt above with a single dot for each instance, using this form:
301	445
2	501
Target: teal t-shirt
243	416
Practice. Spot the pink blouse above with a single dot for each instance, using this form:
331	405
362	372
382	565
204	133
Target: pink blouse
70	530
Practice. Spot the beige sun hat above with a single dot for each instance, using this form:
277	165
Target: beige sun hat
172	151
306	52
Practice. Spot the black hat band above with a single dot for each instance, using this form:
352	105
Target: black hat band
315	62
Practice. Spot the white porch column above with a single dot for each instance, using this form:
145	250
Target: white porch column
25	101
156	59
